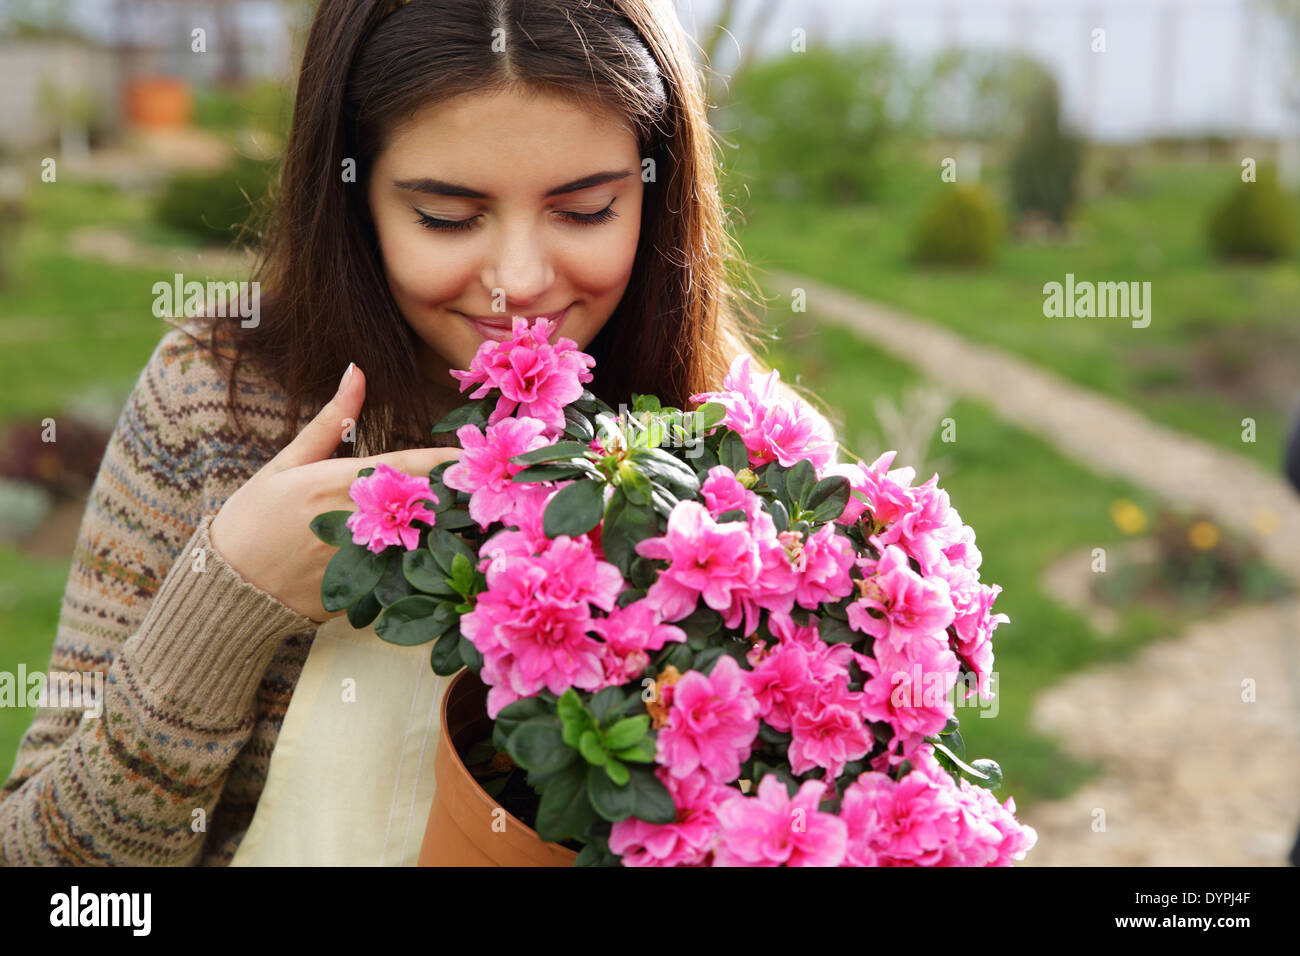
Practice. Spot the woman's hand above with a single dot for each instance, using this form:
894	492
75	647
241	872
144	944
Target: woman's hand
263	530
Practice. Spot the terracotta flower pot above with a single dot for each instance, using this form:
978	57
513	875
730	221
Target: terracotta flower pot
158	102
460	829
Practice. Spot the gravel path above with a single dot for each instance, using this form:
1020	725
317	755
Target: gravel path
1193	774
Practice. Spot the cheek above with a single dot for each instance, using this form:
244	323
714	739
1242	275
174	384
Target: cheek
419	270
604	262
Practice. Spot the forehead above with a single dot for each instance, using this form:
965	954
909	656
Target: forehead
504	141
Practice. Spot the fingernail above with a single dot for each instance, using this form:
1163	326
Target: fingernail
347	375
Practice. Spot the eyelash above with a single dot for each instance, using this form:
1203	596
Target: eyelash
460	225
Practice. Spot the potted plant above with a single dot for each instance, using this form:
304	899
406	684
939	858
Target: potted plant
691	637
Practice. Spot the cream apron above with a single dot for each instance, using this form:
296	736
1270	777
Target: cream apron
351	777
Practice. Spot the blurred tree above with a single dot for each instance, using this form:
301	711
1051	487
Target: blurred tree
816	125
1046	159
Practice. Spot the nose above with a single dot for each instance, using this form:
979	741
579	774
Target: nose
519	267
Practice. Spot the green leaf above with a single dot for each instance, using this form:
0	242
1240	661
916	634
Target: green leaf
476	413
833	631
553	473
444	546
663	467
708	415
415	620
512	715
454	519
462	574
780	516
575	509
331	527
605	703
627	732
565	810
616	772
392	586
964	767
470	655
654	804
424	574
634	484
625	525
799	481
538	745
732	452
350	575
445	658
363	613
955	743
828	498
611	800
577	426
590	748
552	453
990	770
643	752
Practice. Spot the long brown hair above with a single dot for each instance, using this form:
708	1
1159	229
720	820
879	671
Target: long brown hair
369	64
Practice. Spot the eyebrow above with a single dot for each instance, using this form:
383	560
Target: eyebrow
436	187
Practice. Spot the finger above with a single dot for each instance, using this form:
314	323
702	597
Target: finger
414	461
322	435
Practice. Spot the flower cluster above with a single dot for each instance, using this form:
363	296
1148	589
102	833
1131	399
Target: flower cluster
750	656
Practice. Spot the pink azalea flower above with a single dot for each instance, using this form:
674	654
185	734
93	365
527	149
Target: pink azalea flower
773	829
389	501
712	722
910	692
531	623
828	735
722	491
927	527
974	625
887	493
707	559
990	833
773	427
535	378
915	609
630	632
484	468
823	564
688	840
910	822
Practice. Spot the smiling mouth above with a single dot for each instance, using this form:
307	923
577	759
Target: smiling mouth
501	327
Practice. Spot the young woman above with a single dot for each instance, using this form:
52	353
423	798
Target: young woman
451	163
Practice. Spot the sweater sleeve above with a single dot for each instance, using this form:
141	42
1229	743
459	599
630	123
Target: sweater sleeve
172	637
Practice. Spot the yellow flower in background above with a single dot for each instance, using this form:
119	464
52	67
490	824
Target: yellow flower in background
1266	521
1203	535
1128	517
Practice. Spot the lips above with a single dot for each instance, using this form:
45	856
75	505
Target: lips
500	327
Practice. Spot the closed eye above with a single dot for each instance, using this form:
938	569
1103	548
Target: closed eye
461	225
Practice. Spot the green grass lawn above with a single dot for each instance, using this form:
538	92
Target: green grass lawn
1223	343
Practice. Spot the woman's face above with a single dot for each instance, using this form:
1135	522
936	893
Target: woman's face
485	208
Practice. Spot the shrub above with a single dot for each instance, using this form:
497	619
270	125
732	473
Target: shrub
1253	221
1046	158
214	206
961	227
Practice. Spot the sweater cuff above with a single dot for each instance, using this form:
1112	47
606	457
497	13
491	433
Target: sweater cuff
209	635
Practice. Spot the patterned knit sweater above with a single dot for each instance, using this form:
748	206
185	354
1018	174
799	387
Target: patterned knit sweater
199	665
